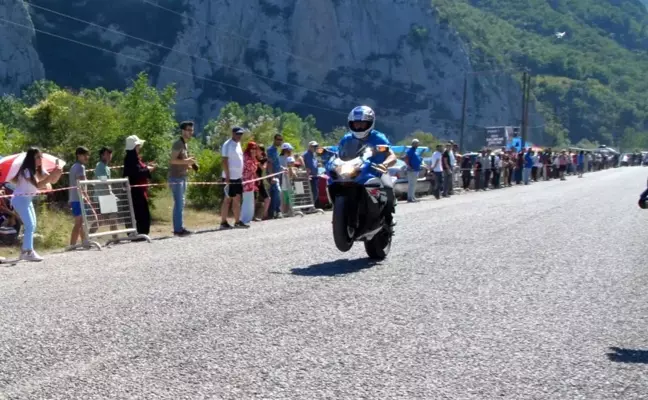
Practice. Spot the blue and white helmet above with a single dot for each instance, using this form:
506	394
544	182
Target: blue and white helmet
361	121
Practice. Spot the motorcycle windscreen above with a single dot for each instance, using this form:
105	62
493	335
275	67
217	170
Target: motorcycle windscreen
351	149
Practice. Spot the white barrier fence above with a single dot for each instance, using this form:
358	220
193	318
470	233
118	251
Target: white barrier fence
107	211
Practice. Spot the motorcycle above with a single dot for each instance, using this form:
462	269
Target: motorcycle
359	199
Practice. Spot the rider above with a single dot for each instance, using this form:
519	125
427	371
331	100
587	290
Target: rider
361	122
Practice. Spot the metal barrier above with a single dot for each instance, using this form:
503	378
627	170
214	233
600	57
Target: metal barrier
107	211
301	195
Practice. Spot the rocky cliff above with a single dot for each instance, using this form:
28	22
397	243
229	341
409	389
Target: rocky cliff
19	62
314	57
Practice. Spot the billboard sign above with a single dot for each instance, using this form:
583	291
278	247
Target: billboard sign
497	136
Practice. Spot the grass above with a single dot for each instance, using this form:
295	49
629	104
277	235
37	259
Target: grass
55	225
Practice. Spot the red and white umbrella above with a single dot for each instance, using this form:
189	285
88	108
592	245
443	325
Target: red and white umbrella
10	165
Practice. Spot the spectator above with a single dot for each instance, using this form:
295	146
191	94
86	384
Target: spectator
466	167
9	219
581	163
447	170
496	168
180	163
286	153
486	167
138	173
78	173
454	161
250	164
562	165
310	162
528	166
286	186
548	164
537	166
519	167
477	179
232	155
436	165
274	166
30	179
413	161
102	170
506	169
264	197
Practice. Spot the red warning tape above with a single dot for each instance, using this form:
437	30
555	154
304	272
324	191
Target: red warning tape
43	192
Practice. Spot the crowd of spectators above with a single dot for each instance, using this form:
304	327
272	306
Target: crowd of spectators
256	181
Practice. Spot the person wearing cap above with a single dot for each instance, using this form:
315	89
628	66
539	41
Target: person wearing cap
273	167
180	162
310	162
413	161
286	187
285	182
232	159
138	173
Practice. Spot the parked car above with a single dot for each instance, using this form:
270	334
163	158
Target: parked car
401	184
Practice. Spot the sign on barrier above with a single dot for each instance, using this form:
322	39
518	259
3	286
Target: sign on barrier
107	212
301	198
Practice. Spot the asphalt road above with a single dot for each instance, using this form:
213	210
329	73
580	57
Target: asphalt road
519	293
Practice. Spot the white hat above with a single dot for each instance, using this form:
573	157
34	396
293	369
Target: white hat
290	160
133	141
415	141
313	143
286	146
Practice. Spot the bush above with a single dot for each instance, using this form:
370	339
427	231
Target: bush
207	196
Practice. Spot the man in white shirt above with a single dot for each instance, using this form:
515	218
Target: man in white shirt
436	163
232	159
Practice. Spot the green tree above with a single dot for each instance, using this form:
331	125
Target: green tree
425	139
148	113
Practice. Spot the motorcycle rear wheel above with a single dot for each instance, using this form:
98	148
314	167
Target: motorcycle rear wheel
342	234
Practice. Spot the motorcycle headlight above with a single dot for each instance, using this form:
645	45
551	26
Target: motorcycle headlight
346	170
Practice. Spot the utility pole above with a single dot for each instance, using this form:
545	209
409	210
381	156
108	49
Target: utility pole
526	82
463	114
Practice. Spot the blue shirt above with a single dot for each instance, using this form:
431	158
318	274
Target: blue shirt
415	160
273	158
375	138
581	159
310	162
528	160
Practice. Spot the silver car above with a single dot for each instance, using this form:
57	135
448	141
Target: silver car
423	185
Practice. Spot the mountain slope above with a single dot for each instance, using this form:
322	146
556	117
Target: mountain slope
593	79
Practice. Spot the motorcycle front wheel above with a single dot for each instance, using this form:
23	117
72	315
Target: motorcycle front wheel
342	233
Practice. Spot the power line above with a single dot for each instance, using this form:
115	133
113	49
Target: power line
217	82
392	122
176	51
293	55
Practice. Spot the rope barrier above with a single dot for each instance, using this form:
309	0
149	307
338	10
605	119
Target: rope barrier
44	192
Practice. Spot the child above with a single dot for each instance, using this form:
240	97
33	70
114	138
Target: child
77	173
286	185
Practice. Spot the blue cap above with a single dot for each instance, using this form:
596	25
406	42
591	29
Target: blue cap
238	130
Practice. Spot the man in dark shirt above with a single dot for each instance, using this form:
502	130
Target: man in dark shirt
447	171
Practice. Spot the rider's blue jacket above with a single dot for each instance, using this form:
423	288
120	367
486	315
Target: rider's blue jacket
375	138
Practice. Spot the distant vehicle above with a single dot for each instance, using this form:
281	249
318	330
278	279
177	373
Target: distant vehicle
401	185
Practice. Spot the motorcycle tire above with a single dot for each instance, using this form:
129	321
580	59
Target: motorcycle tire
341	235
378	247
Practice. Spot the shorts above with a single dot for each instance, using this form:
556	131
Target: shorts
287	197
235	188
76	208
